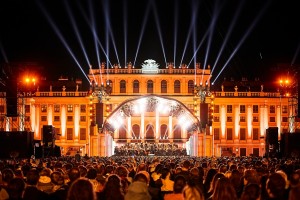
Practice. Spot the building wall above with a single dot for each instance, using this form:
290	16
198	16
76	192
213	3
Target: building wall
71	119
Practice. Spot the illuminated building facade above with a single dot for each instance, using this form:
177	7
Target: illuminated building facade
151	104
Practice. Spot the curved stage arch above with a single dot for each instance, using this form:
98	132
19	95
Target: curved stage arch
151	119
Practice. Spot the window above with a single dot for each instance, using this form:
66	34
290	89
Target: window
163	86
44	108
242	109
229	133
284	109
272	109
82	134
136	86
56	118
216	119
43	118
56	108
27	108
255	134
255	108
216	133
150	86
69	108
122	86
242	134
191	87
69	118
69	133
216	109
82	118
83	108
284	119
229	119
1	108
229	108
57	133
255	118
177	86
109	86
272	119
242	119
27	118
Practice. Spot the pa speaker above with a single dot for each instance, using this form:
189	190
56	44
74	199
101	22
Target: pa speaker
48	134
12	107
99	114
272	135
203	114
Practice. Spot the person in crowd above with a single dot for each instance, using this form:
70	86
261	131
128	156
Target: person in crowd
195	177
16	188
44	183
138	190
92	175
179	184
276	187
251	191
112	189
81	189
31	191
224	190
192	192
294	193
207	182
122	172
167	183
213	184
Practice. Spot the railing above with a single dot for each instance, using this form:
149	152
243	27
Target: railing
247	94
140	71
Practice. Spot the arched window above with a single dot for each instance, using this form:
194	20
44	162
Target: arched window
122	134
122	86
135	131
177	133
163	131
109	86
150	87
191	87
149	133
177	86
163	86
136	86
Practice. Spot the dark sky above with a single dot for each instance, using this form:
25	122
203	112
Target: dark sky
266	32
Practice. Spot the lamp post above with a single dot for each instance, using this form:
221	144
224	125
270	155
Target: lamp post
202	91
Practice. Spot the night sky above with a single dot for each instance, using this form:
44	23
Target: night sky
265	32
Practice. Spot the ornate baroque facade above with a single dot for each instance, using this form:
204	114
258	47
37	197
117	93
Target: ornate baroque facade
150	104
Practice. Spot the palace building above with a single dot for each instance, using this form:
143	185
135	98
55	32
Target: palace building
151	104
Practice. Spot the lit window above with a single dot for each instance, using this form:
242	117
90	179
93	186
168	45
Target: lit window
83	108
44	108
255	108
70	108
56	108
229	108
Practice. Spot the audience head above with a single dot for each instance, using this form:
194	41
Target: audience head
275	186
32	177
251	192
15	188
81	189
224	190
179	184
192	192
74	174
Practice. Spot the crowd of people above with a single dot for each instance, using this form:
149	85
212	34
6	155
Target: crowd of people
150	177
144	149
